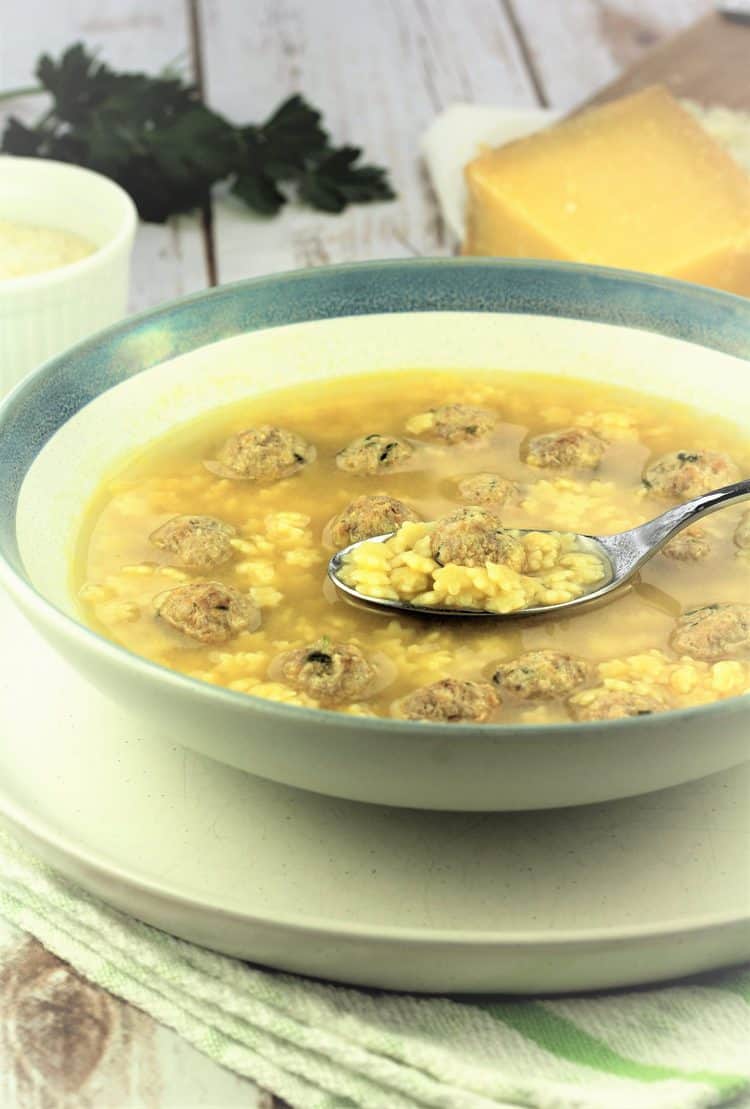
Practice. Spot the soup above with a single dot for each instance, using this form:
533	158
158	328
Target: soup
207	552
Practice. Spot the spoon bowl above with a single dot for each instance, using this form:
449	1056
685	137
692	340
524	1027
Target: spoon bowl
622	556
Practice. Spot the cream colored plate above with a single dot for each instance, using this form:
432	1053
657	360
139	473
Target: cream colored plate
570	899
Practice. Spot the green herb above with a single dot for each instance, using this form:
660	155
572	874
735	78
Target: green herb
156	138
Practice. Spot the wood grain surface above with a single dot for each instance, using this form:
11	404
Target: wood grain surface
709	62
380	72
578	46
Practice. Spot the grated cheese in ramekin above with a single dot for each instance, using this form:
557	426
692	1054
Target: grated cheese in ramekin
26	249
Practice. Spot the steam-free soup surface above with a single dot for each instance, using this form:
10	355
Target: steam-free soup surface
632	656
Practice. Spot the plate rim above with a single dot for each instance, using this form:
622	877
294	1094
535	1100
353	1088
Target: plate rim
16	815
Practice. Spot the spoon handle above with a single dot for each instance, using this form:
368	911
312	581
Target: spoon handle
628	549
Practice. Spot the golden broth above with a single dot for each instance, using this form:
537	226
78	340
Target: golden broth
281	558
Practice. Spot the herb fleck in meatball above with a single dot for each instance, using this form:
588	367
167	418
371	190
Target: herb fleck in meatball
612	704
472	536
489	489
574	448
198	541
690	545
370	515
681	475
263	453
742	532
541	675
450	701
462	423
713	632
329	671
207	611
374	454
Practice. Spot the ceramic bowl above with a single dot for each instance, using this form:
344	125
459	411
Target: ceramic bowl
70	422
43	313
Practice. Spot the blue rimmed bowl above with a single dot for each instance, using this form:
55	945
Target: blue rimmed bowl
68	424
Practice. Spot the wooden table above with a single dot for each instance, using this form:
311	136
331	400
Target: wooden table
380	72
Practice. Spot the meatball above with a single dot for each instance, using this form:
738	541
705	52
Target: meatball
574	448
367	516
681	475
328	671
690	545
473	536
462	423
742	533
207	611
263	453
489	489
612	704
450	701
713	632
374	454
541	675
201	542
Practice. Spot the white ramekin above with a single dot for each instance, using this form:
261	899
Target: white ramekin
42	314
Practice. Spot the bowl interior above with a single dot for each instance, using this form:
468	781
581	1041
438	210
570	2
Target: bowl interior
67	471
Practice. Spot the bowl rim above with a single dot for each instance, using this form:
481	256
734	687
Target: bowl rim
48	279
28	597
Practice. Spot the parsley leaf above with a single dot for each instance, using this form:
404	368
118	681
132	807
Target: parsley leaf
277	150
78	83
291	135
292	147
333	180
156	138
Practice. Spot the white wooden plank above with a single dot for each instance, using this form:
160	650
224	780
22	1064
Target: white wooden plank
579	45
66	1042
129	34
169	261
380	72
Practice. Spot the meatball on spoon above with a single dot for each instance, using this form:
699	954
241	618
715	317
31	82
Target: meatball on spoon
622	556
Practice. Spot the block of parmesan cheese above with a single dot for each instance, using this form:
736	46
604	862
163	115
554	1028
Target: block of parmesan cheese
636	183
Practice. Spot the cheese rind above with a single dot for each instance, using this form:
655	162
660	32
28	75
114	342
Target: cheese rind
636	183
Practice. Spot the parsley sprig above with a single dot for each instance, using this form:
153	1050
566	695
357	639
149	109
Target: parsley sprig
156	138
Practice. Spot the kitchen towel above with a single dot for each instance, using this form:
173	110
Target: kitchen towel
321	1046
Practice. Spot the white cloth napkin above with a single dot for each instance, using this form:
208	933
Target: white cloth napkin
456	136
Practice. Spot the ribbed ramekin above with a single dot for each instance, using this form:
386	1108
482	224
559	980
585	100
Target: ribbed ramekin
42	314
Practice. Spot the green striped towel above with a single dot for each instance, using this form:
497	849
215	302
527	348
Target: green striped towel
328	1047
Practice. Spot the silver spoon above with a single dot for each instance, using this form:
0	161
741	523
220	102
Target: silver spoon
623	555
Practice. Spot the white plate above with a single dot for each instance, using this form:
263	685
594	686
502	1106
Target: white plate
572	899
